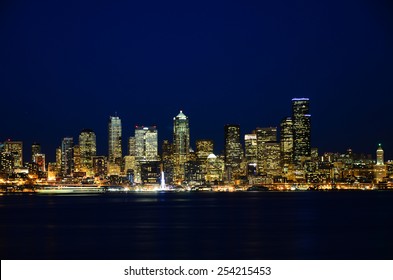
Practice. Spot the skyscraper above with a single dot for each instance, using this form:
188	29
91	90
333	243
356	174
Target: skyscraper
131	146
233	150
67	165
250	141
181	145
203	149
16	150
88	149
35	149
286	141
380	160
380	170
114	141
301	130
264	135
146	143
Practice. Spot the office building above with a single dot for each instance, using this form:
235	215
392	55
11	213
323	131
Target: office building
301	130
15	148
88	150
67	156
114	141
264	135
35	149
181	145
146	143
233	151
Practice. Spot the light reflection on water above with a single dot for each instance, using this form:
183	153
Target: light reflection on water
267	225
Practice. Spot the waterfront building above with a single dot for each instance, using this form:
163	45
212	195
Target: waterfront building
301	130
215	167
286	141
380	167
146	143
264	135
77	167
58	160
167	161
150	172
35	149
88	150
67	165
204	148
39	160
272	159
181	145
131	146
6	162
52	171
251	148
15	148
114	142
100	167
233	151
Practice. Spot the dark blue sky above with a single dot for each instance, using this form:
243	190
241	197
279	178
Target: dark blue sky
69	65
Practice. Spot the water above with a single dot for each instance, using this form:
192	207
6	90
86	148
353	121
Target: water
264	225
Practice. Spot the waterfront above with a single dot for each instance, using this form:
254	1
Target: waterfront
188	225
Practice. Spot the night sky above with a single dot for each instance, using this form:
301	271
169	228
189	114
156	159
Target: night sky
69	65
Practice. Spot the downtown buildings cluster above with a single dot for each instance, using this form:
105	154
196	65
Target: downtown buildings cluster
267	155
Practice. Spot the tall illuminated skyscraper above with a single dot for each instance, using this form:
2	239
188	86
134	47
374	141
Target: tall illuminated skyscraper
16	150
203	149
131	146
233	150
301	130
114	141
286	141
380	160
264	135
181	145
380	170
88	149
67	147
251	148
146	143
35	149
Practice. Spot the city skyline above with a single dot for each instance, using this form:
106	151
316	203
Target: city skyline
99	149
68	67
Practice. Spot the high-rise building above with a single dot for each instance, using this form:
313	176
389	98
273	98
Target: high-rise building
67	147
167	161
380	160
380	170
286	141
264	135
146	143
88	149
251	153
203	149
181	145
233	150
6	161
272	156
100	166
301	130
250	141
58	160
77	163
15	148
35	149
131	146
114	141
215	167
39	160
